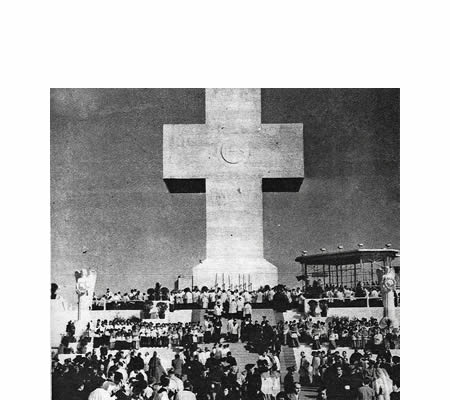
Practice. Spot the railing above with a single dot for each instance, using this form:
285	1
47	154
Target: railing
118	305
324	303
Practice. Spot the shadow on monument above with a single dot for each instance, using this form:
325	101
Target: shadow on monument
268	185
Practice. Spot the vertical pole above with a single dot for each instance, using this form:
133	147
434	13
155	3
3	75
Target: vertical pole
329	274
306	275
361	265
354	275
324	273
371	272
342	276
337	275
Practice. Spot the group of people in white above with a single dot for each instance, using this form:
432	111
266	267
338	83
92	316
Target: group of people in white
206	297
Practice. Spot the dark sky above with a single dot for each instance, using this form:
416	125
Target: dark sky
111	210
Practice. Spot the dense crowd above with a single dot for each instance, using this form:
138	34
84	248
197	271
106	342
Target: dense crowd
199	372
358	377
277	297
195	374
135	333
212	372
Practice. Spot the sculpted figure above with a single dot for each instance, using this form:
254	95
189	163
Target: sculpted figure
386	278
85	284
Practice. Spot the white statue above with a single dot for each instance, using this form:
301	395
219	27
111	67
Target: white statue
386	279
85	290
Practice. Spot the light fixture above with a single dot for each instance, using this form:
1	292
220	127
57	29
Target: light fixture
387	245
304	252
340	247
323	249
361	245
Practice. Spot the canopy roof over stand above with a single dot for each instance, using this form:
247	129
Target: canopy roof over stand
348	257
348	267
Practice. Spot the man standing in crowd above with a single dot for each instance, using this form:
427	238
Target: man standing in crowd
365	392
295	393
187	393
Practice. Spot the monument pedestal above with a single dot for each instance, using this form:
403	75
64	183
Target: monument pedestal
219	271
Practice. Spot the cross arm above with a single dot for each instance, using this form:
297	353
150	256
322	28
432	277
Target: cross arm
283	169
184	157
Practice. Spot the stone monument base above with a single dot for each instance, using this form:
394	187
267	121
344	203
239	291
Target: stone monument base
220	272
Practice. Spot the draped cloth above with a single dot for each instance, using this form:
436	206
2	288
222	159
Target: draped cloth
383	385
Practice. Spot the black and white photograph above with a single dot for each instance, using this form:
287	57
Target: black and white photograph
211	191
225	244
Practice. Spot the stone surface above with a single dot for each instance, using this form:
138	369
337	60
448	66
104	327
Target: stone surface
233	152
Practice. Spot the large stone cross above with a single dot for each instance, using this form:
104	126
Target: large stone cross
233	158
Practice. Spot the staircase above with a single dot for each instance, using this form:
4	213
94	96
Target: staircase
287	359
242	355
272	316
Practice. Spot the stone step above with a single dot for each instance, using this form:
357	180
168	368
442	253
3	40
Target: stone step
271	315
242	355
287	359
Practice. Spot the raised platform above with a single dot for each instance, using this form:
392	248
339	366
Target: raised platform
214	271
59	319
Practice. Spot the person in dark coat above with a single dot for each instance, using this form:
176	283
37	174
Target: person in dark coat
177	365
395	374
230	359
254	385
354	381
217	330
155	368
295	393
336	385
355	357
289	380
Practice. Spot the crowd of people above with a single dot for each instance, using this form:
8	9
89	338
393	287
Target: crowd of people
195	374
201	372
359	376
278	296
114	360
135	333
204	367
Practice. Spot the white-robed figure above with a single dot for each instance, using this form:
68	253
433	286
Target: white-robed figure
386	279
382	385
85	290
